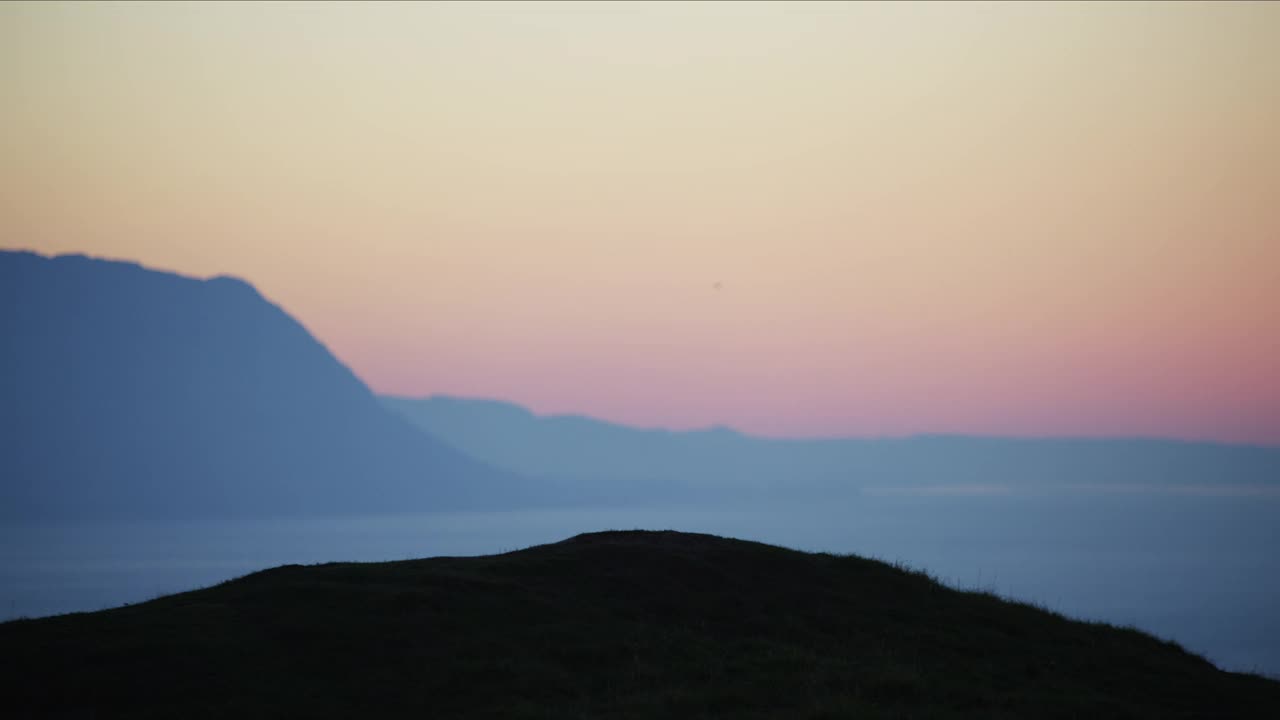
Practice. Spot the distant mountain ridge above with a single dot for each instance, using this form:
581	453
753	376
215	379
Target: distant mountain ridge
591	451
126	391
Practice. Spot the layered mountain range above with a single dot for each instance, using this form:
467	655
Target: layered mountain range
127	392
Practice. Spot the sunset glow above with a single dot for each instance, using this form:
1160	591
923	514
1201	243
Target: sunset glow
793	219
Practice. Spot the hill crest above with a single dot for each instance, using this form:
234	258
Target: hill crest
624	624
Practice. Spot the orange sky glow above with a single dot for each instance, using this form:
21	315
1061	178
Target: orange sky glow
788	218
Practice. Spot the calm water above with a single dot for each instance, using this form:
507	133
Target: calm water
1198	568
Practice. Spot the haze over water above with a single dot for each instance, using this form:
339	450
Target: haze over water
1200	570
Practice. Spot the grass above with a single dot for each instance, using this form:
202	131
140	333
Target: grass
607	625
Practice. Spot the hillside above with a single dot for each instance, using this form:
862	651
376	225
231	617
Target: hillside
649	463
129	392
616	625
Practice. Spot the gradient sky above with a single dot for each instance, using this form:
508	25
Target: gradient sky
1015	218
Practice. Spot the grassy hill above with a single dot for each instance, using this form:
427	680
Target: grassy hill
606	625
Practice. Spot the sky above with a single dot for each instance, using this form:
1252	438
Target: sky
792	219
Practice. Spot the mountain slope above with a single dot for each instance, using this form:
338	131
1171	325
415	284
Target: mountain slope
595	452
131	392
618	625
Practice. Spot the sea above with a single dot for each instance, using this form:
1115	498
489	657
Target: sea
1199	566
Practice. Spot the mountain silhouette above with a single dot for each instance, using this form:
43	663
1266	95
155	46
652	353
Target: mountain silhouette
609	625
130	392
652	462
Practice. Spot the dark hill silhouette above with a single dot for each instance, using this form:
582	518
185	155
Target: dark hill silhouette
616	625
646	462
127	391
